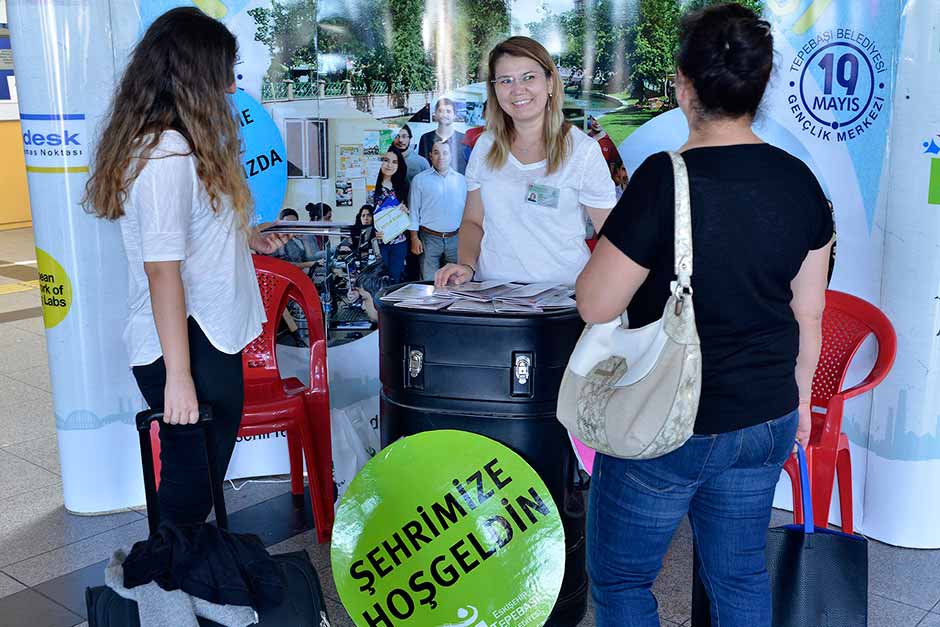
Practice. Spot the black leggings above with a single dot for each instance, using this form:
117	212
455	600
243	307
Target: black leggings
184	496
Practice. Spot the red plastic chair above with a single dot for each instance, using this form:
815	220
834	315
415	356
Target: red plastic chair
273	404
847	321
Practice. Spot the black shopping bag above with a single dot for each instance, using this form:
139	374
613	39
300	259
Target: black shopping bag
818	577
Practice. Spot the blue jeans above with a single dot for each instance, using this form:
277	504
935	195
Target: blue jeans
393	256
437	252
725	483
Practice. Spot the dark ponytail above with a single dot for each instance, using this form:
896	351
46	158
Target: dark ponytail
727	53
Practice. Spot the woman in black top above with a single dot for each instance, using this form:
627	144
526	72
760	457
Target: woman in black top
363	232
761	233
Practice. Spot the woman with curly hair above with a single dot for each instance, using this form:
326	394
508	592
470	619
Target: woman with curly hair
168	169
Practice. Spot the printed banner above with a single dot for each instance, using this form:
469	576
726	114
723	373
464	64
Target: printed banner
903	435
448	528
55	143
833	93
264	156
62	96
833	102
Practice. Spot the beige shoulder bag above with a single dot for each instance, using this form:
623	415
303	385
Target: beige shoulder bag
633	393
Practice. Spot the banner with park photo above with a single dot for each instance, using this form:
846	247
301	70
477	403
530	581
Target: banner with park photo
327	86
382	64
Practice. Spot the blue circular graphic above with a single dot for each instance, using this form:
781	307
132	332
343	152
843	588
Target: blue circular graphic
263	156
847	79
219	9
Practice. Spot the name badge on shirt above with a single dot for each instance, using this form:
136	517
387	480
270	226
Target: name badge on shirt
541	195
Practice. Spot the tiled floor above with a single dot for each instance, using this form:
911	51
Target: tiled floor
48	557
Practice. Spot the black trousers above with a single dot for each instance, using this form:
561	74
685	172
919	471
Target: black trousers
184	494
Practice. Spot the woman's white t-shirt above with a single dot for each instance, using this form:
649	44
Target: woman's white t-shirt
167	217
533	223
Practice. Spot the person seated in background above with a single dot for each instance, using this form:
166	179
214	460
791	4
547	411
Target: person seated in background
437	199
444	114
370	277
300	250
415	162
599	135
319	211
322	212
363	233
618	172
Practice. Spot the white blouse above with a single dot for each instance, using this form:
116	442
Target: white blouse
533	223
167	217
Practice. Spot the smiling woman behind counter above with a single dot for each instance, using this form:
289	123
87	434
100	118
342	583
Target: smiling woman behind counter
531	178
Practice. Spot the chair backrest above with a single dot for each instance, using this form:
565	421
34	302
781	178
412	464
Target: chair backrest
847	321
279	282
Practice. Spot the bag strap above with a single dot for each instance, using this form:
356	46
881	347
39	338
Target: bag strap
683	230
809	525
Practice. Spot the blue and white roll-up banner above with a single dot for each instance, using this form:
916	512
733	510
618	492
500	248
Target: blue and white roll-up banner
833	91
903	439
65	73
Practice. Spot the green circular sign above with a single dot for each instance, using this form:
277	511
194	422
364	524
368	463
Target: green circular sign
448	528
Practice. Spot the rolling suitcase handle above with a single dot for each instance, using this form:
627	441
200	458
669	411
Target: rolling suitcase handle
143	421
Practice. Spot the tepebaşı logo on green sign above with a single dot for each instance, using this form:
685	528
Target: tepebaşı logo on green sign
448	528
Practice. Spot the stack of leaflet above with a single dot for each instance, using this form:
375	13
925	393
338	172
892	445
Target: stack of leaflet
417	296
485	297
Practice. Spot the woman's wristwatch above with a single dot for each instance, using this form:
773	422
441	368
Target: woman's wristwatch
473	270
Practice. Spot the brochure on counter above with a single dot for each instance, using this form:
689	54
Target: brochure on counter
484	297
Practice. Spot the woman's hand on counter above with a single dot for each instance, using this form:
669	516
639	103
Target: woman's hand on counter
453	274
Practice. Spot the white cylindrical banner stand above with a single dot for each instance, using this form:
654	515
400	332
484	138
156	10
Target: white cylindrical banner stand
65	73
903	464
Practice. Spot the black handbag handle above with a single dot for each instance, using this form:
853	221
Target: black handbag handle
143	421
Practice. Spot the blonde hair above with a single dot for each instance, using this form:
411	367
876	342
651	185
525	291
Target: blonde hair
176	80
554	130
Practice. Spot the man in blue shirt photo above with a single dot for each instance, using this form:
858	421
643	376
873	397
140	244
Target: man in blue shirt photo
436	202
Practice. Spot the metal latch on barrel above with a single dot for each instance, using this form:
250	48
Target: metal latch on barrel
414	366
521	375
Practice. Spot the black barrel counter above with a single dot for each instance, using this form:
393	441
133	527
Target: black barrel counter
496	375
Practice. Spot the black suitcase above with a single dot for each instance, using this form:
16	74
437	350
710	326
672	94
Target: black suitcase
303	604
497	376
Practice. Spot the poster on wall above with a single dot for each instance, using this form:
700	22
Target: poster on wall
359	188
344	190
350	161
376	143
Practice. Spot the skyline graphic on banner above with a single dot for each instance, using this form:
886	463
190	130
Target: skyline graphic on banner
896	442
